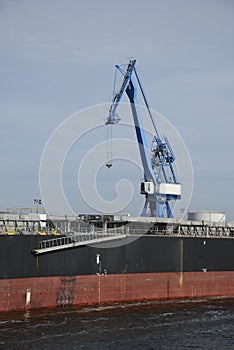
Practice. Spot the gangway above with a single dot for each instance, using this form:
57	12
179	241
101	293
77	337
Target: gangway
78	239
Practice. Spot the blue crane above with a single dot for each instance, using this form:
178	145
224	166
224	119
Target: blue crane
160	185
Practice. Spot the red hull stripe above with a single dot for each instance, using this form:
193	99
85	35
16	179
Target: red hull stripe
23	293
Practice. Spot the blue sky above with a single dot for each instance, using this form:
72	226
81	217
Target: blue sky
57	57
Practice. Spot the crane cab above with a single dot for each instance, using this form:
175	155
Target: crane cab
147	187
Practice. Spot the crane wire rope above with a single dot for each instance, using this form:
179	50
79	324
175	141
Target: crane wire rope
109	128
109	147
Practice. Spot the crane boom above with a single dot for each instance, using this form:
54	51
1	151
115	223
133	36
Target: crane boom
159	187
112	119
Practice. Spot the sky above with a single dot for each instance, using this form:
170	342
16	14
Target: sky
57	57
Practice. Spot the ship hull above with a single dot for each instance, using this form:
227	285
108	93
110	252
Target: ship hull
147	267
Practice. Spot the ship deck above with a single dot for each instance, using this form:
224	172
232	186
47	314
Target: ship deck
54	225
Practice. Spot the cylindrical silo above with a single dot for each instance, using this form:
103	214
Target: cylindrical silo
207	215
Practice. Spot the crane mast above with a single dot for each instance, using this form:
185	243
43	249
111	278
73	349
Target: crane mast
160	185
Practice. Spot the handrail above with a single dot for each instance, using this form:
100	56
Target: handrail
78	239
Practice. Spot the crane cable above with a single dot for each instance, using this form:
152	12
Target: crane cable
109	129
109	146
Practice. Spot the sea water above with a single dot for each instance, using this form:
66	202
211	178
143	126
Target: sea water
185	324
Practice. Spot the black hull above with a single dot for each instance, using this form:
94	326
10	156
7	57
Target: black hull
147	254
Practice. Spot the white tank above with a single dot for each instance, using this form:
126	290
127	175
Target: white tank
204	215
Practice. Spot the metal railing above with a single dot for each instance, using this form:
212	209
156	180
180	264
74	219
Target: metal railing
78	239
